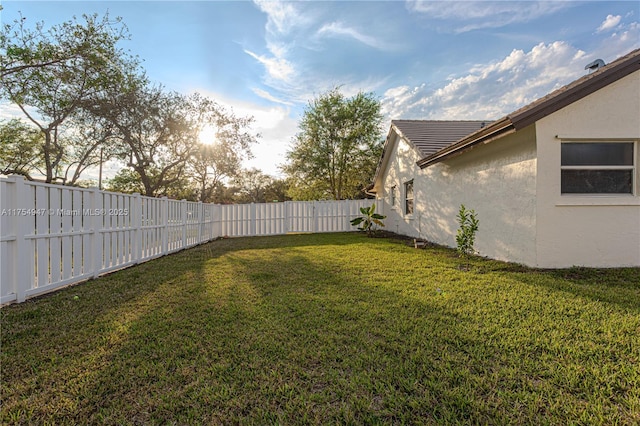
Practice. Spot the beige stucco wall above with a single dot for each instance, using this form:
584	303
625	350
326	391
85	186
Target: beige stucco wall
496	180
401	168
596	230
514	185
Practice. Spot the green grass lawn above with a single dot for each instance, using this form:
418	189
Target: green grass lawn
327	329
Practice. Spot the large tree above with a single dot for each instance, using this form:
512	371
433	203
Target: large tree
153	131
219	159
19	148
50	74
88	142
251	186
158	135
335	153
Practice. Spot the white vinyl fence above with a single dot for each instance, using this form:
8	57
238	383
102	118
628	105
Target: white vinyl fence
52	235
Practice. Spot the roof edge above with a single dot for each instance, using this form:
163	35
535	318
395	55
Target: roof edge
381	161
484	135
577	90
542	107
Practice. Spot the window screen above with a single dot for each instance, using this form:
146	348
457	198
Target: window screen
408	191
597	167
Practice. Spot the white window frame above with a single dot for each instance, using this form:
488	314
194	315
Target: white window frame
393	195
407	199
635	175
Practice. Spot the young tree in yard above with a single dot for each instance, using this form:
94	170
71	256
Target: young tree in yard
50	74
335	154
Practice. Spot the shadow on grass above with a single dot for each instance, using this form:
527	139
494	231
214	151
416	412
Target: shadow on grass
312	329
615	286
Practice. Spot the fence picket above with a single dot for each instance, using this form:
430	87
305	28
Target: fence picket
55	227
42	229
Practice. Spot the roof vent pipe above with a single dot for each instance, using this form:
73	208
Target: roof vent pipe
595	65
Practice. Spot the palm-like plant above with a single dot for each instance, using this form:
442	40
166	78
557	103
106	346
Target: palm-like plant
369	220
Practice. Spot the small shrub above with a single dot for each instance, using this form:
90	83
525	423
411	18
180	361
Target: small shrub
466	235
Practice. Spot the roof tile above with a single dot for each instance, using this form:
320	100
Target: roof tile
430	136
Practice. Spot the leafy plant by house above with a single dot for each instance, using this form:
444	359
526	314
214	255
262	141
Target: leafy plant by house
466	235
369	220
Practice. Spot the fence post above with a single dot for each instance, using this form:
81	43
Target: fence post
252	219
285	226
164	224
183	212
315	217
200	221
136	211
213	217
97	216
23	277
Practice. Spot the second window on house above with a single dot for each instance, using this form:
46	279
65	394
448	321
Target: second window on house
393	196
408	197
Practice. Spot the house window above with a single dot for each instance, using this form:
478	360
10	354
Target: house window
597	167
392	195
408	197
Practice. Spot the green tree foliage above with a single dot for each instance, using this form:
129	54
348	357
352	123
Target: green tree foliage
214	162
335	154
250	186
89	101
254	186
19	148
50	74
276	190
153	132
158	137
210	165
125	181
87	143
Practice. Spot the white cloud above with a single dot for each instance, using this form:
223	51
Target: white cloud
9	111
268	96
623	40
609	23
281	16
338	29
277	68
276	128
491	90
485	14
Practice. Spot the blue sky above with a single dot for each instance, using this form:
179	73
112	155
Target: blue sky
422	59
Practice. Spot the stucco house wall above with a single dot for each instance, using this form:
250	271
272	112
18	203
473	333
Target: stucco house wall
593	230
509	172
496	180
400	169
